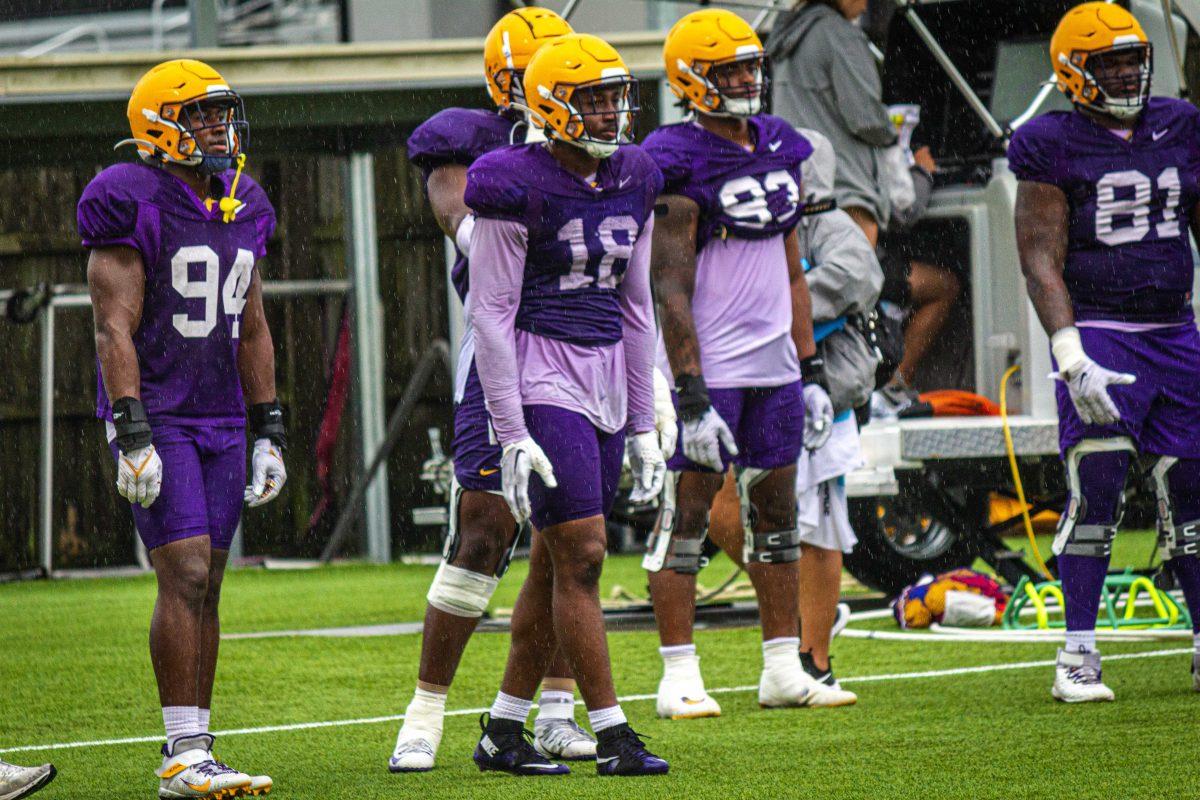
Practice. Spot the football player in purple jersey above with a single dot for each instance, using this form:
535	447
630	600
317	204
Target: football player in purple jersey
1106	195
482	530
563	323
183	345
737	329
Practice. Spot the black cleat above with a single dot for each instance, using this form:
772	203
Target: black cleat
619	751
507	746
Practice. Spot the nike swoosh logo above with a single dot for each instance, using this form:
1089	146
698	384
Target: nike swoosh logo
606	760
624	181
486	472
197	787
689	701
1159	134
773	146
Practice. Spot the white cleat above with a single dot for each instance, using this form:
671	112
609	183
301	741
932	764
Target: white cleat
841	620
681	693
1077	679
564	740
17	782
416	748
189	772
795	688
259	784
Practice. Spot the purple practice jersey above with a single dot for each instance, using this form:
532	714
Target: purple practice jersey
743	194
1128	255
197	270
749	202
580	234
459	136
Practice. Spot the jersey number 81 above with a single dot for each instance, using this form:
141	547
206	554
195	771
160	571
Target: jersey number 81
1136	206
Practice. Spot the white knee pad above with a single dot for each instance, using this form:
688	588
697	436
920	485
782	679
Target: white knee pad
665	550
461	592
1173	540
1087	540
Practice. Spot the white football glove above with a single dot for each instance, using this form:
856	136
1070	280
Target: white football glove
648	466
139	475
268	474
818	416
517	461
703	437
665	421
1087	382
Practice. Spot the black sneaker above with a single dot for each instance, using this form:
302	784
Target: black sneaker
507	746
822	676
619	751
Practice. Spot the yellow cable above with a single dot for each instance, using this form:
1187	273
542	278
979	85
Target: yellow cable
1016	473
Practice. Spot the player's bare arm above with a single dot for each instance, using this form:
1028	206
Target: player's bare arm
673	267
446	186
802	322
1041	219
116	280
256	351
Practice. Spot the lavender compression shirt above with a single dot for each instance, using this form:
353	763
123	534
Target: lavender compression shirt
608	384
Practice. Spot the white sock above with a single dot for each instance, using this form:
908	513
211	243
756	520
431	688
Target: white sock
203	715
426	710
781	653
677	650
180	721
681	664
509	707
1196	641
606	718
1080	642
554	704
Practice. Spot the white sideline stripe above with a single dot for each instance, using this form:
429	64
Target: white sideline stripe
466	712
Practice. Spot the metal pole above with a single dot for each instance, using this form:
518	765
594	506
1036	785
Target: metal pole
204	23
1176	56
46	457
454	307
952	72
368	339
570	9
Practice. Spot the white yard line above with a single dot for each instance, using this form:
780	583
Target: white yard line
466	712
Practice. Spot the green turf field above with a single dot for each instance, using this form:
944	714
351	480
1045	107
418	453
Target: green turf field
74	668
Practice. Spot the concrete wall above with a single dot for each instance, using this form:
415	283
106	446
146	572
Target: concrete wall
391	20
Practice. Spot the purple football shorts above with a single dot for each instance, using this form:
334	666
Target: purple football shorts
767	424
1160	411
476	451
203	485
586	461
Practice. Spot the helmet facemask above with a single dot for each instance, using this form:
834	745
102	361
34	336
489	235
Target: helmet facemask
610	104
222	111
727	95
1116	80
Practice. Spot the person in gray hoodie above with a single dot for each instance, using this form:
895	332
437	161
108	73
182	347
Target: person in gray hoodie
825	78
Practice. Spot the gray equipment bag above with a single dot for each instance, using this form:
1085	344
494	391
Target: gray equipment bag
850	363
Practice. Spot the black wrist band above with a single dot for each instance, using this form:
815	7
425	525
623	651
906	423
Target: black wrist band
132	424
267	422
812	370
693	396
